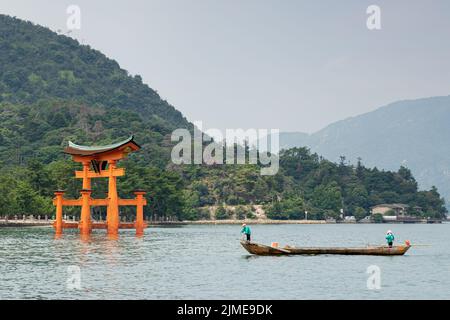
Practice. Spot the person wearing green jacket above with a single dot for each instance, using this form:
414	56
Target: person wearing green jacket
390	238
246	230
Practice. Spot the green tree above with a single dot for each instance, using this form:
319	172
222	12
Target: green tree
222	213
241	212
377	218
328	197
360	213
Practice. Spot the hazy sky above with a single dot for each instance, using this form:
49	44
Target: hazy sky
293	65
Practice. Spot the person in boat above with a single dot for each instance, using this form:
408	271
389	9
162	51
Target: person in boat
390	238
246	230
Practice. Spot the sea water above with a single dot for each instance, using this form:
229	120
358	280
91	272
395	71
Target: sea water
208	262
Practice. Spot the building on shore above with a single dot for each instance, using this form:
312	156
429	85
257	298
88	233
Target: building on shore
395	209
392	209
399	212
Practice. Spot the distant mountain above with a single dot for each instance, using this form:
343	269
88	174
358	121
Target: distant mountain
413	133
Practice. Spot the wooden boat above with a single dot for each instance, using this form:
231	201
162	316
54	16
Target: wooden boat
263	250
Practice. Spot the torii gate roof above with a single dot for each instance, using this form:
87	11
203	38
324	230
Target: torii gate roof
79	150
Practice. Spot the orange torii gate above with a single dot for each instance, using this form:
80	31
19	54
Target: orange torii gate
103	161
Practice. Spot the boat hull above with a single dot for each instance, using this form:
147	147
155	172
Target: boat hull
263	250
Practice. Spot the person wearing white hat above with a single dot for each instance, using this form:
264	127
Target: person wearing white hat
390	238
246	230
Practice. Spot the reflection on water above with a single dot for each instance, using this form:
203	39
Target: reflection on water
204	262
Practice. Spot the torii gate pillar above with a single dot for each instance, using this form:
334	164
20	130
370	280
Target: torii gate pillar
140	225
85	219
112	213
59	211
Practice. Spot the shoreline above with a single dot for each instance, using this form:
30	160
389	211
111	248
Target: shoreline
26	223
280	222
37	223
34	223
258	221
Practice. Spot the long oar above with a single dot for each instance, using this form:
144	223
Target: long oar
412	245
421	245
416	244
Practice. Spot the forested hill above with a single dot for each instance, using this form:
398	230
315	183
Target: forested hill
53	90
36	63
